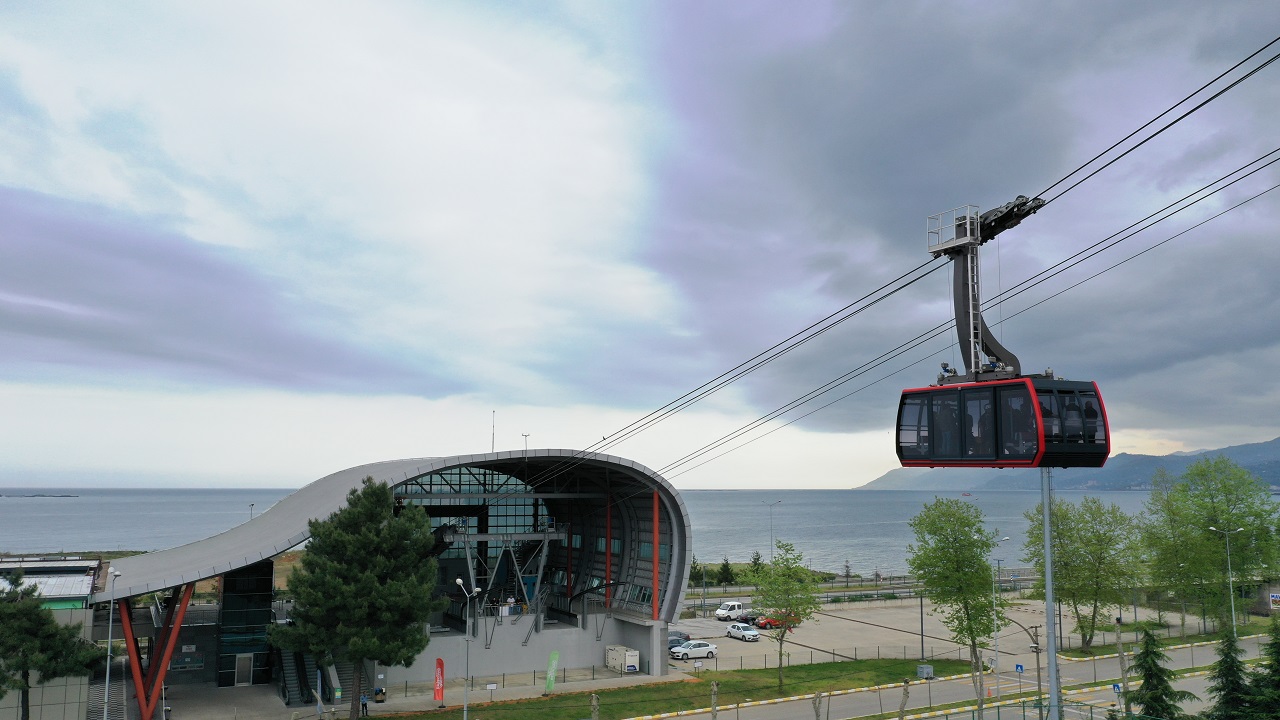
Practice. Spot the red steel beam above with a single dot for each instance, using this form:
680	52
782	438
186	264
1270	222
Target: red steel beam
655	554
608	549
165	629
145	689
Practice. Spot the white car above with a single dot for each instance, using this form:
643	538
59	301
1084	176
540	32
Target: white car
743	631
693	648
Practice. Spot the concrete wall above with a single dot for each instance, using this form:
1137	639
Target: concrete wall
508	654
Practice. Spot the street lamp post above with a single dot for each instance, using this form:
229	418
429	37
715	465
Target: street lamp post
250	511
466	680
1231	589
995	619
106	692
1033	632
704	591
770	504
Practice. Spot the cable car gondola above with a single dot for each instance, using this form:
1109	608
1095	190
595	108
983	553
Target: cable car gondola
993	416
1036	421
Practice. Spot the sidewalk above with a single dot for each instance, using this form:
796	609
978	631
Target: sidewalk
262	702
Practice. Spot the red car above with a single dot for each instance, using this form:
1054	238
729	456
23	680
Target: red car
768	623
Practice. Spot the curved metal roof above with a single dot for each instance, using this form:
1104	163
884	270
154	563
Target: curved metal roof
284	525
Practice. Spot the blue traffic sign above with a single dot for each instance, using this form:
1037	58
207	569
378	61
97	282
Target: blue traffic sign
1018	667
1116	687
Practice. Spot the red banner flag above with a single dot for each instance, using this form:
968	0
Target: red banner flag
439	696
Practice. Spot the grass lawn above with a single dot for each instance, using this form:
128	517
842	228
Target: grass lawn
735	686
1255	626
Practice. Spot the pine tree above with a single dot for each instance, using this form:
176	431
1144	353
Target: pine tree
364	588
726	575
1155	695
695	572
1228	682
35	647
1264	681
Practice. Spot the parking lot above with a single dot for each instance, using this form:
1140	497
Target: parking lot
880	629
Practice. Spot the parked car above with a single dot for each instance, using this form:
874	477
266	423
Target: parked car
675	641
678	633
743	631
768	623
729	610
748	617
693	648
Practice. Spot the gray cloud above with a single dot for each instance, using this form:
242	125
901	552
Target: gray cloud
88	293
813	144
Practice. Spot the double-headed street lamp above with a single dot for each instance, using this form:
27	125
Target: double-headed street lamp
106	692
1231	589
770	504
466	681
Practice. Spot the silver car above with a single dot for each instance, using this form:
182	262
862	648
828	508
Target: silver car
693	648
743	631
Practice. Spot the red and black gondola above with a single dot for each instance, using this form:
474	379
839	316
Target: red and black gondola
993	415
1034	421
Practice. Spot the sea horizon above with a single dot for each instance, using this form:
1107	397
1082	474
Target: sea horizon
826	526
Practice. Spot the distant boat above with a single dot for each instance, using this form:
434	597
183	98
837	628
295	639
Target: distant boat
966	494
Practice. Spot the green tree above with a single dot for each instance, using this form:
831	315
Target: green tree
364	586
949	558
1155	695
35	647
756	566
1229	682
787	594
1189	558
695	572
726	576
1264	681
1094	551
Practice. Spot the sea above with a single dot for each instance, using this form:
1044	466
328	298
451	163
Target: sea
868	530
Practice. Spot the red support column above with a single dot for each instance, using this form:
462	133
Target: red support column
145	690
608	549
655	554
164	630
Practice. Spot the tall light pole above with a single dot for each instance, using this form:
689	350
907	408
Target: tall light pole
1231	589
995	618
466	680
250	511
106	693
1033	632
770	504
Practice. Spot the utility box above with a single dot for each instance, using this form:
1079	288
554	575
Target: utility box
924	672
622	659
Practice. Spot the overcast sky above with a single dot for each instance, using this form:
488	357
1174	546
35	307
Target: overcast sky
251	244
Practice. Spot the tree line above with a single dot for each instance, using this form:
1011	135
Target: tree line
1198	536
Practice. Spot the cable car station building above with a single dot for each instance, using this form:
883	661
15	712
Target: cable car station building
571	552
